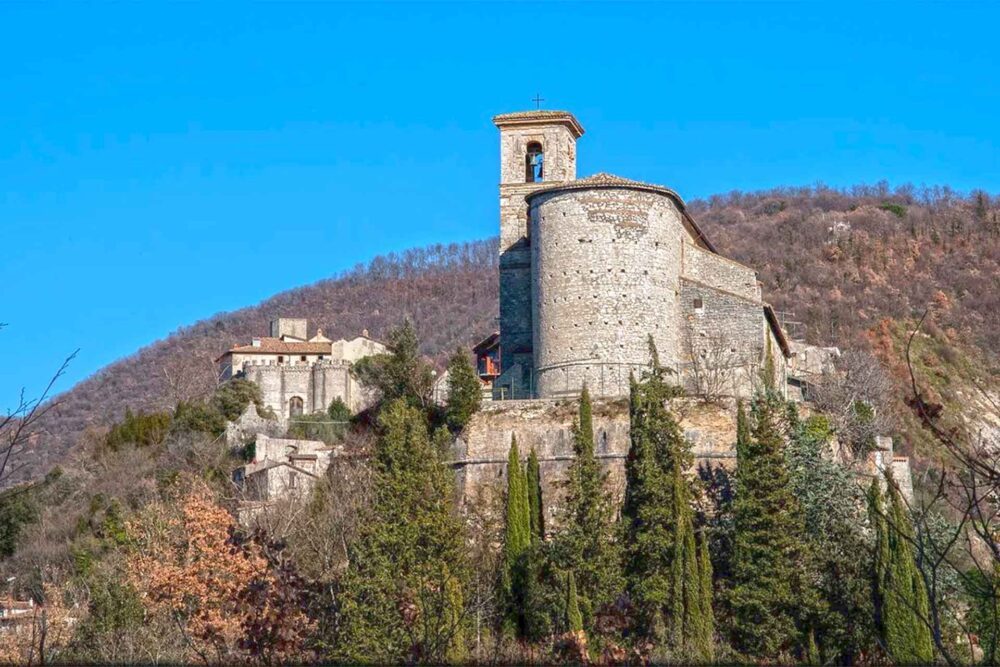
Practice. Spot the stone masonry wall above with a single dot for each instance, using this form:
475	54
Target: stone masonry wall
317	385
716	271
559	148
480	453
606	264
725	341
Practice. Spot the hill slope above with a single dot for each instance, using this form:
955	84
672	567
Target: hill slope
842	261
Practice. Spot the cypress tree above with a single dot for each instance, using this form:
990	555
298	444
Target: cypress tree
410	550
586	543
901	601
517	527
662	563
768	541
704	635
574	619
534	480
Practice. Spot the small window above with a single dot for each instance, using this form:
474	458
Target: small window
534	163
303	358
293	480
281	359
321	357
698	303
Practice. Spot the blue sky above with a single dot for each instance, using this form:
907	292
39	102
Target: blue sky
156	161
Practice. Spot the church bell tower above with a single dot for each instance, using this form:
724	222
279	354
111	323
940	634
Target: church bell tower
537	150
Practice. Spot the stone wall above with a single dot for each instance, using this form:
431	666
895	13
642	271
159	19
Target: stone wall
317	385
480	453
725	342
605	269
716	271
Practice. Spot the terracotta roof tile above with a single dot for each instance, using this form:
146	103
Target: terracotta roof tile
278	346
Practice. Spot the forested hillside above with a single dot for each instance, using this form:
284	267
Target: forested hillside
844	262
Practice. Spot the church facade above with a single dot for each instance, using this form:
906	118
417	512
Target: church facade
593	269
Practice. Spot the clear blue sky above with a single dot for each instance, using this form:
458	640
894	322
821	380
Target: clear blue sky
156	162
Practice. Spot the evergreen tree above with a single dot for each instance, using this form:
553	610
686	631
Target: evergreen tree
839	607
668	585
586	544
901	600
400	373
768	543
517	526
465	391
574	619
704	635
534	480
402	598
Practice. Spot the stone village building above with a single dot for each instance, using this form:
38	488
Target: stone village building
299	375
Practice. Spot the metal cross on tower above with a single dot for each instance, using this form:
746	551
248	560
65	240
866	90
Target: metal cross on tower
538	101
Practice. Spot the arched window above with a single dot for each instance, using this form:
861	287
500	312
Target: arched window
534	161
295	407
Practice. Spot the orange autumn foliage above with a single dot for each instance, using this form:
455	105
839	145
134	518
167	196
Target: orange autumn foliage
189	563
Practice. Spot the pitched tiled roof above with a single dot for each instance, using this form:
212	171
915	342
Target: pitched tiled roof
278	346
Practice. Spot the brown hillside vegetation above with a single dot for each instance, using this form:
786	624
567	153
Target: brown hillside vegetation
840	260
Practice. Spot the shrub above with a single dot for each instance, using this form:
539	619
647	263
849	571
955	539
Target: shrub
897	210
138	429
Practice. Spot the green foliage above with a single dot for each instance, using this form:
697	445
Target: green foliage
315	427
18	509
901	602
586	543
534	481
769	547
517	539
338	411
840	603
403	593
897	210
198	417
232	398
114	611
138	429
465	391
399	374
670	582
704	633
574	619
517	525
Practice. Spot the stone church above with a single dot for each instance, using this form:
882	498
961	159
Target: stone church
592	268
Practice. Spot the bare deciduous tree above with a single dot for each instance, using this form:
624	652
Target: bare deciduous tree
856	398
21	423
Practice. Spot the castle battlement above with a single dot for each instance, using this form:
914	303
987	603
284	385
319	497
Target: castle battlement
299	375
